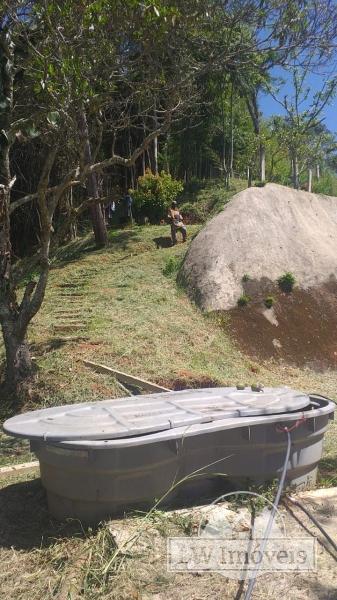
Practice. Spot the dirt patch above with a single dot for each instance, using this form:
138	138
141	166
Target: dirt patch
187	380
101	389
92	345
300	327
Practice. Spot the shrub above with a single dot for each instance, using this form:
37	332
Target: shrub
286	282
269	301
193	185
245	278
172	266
192	213
243	300
327	184
154	195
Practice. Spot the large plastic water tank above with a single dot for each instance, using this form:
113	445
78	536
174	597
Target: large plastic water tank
104	458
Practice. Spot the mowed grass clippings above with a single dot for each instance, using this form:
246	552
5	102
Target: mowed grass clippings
121	559
135	318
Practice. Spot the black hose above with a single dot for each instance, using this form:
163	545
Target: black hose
314	520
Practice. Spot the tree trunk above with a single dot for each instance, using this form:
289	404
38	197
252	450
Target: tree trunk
132	169
167	155
231	158
252	105
144	152
310	180
262	155
295	170
149	159
225	169
15	318
155	146
155	155
73	226
18	363
18	360
97	219
99	227
318	174
249	177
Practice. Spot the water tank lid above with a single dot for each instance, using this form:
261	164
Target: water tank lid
140	415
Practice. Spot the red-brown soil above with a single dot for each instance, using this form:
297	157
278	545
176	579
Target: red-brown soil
306	333
188	380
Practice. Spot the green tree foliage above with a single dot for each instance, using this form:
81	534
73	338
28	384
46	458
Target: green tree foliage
154	195
300	132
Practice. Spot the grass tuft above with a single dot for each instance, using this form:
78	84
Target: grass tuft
244	300
286	282
269	301
172	266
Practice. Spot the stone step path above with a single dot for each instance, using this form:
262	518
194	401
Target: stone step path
70	318
67	327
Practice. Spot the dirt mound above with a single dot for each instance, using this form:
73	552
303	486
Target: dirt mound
300	327
262	233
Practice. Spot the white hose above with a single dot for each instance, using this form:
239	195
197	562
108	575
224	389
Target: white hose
266	535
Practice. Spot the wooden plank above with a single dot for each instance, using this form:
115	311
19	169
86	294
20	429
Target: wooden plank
14	469
126	378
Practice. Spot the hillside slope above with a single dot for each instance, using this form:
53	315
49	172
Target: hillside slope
116	306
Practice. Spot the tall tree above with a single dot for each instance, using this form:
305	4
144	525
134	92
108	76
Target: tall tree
300	129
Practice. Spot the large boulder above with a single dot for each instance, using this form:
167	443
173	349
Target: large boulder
263	233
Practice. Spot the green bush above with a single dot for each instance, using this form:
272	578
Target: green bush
210	196
192	213
172	266
245	277
269	301
193	186
327	184
244	300
286	282
154	195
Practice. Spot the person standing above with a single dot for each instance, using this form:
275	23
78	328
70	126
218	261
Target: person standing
177	223
127	208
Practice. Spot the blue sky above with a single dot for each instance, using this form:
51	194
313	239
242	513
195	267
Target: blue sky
270	107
